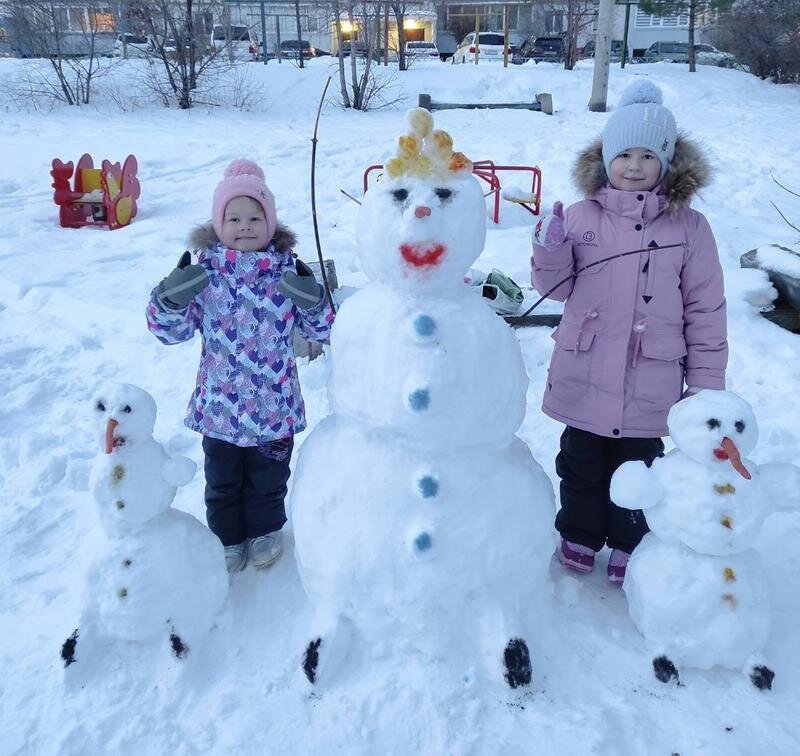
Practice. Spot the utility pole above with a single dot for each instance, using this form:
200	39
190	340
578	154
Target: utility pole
602	49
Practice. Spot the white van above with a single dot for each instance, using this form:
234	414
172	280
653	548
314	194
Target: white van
234	40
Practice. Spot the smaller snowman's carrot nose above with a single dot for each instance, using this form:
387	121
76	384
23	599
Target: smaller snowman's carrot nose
422	211
735	458
112	424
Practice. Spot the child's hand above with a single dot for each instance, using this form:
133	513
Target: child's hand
301	287
182	285
549	231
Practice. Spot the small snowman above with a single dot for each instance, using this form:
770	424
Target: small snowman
422	523
162	573
695	588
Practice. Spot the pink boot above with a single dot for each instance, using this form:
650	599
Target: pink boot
617	564
576	557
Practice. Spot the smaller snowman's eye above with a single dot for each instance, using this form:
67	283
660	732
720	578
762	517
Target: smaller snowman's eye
713	423
444	194
127	408
400	195
100	407
739	425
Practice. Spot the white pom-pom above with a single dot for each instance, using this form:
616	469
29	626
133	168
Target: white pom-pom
640	91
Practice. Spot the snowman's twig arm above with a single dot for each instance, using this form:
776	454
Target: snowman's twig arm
782	480
635	486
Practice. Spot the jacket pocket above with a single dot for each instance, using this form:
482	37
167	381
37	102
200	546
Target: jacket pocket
570	367
658	376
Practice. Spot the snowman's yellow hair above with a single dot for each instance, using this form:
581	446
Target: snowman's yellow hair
426	153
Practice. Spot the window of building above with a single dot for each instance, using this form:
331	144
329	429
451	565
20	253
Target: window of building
649	20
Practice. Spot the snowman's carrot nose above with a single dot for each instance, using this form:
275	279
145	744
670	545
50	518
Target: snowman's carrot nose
735	458
422	211
112	424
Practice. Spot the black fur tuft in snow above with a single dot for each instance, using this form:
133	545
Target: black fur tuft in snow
68	648
311	660
179	648
762	677
665	670
517	659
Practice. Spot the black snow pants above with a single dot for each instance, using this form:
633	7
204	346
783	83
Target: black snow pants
585	465
245	488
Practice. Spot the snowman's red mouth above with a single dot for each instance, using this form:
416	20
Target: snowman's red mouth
422	255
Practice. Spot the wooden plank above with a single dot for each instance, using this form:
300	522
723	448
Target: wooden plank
543	103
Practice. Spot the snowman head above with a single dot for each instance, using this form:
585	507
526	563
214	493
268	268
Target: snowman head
123	415
714	428
424	223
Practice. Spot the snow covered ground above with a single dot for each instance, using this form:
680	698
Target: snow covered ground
72	315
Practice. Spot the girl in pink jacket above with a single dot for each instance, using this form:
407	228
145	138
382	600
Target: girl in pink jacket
636	328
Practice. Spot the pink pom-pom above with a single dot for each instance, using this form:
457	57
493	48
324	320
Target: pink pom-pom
243	167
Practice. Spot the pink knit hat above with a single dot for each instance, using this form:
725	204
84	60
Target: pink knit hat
243	178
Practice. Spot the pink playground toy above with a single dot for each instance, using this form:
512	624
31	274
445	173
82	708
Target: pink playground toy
104	196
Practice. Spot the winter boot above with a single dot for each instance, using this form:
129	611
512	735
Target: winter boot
236	557
617	564
576	557
265	549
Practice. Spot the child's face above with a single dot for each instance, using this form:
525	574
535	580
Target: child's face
244	226
634	170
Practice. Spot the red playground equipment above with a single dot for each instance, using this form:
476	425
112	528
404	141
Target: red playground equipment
104	196
487	171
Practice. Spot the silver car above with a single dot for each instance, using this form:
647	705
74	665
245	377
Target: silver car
670	52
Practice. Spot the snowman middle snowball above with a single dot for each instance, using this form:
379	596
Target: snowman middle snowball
421	521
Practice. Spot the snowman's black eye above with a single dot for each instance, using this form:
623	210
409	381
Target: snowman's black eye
444	194
127	408
739	425
100	407
400	195
713	423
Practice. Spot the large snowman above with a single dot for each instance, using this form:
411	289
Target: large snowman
161	574
695	588
422	523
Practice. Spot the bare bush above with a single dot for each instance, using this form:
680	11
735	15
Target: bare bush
73	58
764	35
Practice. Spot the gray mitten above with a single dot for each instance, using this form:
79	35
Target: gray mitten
182	285
301	287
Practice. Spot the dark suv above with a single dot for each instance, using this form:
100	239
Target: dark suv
539	49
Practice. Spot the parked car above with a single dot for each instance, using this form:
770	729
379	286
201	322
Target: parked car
360	48
670	52
490	44
615	54
234	40
422	51
132	45
708	55
290	48
538	49
446	43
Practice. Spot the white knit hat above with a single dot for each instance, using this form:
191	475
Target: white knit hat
640	120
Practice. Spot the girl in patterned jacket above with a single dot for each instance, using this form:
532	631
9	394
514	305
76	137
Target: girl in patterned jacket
635	329
245	295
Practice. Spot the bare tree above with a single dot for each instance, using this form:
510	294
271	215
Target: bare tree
691	8
399	10
177	44
580	15
40	30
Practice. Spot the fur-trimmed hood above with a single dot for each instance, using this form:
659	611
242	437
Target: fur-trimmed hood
204	235
688	172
